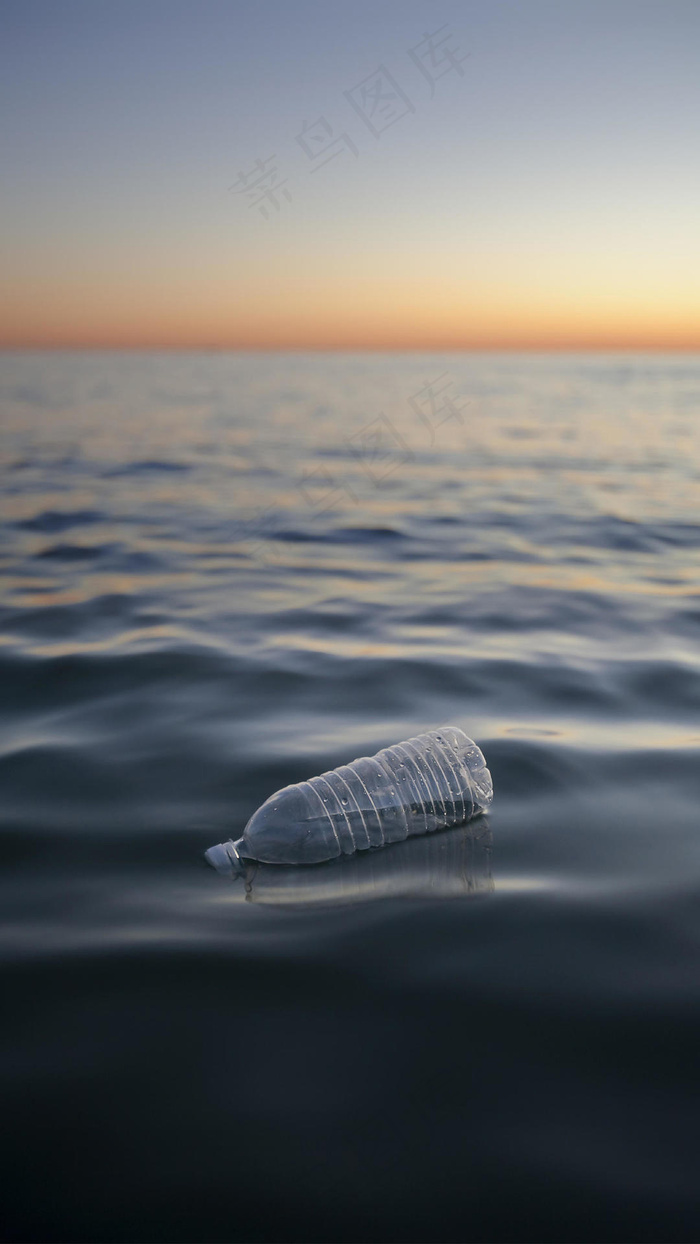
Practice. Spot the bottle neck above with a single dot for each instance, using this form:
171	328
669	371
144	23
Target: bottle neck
225	858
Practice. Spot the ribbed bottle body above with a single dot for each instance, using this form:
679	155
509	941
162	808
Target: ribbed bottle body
430	782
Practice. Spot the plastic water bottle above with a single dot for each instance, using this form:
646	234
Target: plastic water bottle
433	781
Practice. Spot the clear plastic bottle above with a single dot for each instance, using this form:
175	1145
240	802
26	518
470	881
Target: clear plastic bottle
433	781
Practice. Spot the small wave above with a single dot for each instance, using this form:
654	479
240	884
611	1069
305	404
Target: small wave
52	522
75	552
145	467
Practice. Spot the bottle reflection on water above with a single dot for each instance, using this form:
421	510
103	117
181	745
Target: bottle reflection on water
453	863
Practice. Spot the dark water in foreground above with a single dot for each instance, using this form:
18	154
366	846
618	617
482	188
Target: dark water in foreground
225	573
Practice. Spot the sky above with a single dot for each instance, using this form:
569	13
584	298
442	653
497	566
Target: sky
309	174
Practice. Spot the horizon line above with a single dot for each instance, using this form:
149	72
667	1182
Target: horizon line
349	348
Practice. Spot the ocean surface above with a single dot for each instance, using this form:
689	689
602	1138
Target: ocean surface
222	573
